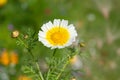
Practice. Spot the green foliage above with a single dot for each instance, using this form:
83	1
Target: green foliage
97	23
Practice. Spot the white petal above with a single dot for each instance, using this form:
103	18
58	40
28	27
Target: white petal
71	26
56	22
42	34
49	25
44	28
45	42
53	47
68	43
60	47
72	30
64	23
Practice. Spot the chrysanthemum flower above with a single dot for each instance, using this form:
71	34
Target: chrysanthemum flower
57	34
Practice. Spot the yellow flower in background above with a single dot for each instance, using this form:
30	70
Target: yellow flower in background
73	59
76	62
14	58
73	79
24	78
4	58
57	34
3	2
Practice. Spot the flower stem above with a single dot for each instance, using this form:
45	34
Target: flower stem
22	42
48	73
30	52
40	74
54	52
37	65
62	70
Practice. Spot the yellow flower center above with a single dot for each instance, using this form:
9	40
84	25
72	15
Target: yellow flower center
57	36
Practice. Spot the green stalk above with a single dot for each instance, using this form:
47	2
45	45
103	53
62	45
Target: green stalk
54	53
65	65
40	74
37	66
22	42
50	64
62	70
30	52
48	74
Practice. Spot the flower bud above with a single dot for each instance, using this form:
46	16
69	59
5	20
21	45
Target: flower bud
15	34
25	36
82	44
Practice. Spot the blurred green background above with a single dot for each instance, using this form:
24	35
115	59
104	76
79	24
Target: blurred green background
97	23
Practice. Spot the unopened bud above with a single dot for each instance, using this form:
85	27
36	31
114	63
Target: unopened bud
82	44
25	36
15	34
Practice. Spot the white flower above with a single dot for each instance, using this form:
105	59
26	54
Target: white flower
57	34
